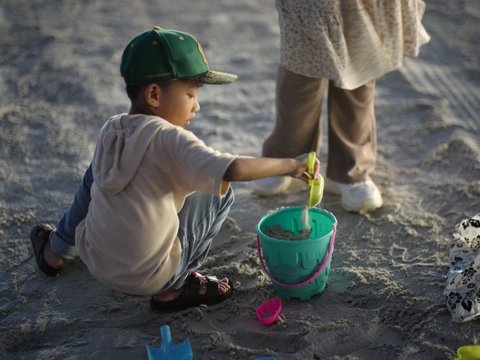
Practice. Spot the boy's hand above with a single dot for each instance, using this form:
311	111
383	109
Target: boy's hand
301	172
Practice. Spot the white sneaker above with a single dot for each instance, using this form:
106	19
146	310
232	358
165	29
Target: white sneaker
360	197
277	185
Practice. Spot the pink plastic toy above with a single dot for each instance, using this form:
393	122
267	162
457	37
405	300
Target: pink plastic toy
269	311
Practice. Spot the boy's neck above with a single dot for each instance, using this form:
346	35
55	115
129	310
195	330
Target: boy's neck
136	110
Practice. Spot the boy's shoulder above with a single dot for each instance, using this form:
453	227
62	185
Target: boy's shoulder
150	129
136	121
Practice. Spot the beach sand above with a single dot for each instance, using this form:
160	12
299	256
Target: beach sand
59	81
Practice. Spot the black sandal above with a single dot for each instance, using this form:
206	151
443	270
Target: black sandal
39	236
190	296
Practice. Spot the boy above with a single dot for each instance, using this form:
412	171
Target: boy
155	195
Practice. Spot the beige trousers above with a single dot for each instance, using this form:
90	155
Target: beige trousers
352	140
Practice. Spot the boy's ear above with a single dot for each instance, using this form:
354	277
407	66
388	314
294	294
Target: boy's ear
152	94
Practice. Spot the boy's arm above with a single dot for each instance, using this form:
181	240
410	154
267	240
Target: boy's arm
251	168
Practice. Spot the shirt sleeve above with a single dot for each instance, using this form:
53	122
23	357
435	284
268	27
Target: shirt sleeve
192	165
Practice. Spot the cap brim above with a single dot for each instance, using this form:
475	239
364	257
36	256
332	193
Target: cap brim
214	78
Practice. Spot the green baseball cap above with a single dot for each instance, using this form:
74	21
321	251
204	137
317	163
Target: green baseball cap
160	55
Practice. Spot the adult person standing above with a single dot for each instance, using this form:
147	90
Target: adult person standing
345	45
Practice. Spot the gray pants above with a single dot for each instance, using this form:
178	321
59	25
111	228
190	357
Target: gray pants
352	142
201	218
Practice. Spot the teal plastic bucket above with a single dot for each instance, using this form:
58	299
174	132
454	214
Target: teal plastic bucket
298	268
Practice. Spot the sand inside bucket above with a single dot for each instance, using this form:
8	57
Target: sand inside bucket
277	232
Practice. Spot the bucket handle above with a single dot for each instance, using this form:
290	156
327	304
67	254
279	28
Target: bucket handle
322	267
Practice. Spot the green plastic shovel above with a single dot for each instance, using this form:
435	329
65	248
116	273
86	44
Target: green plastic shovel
316	186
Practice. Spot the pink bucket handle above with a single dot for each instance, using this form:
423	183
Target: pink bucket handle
311	278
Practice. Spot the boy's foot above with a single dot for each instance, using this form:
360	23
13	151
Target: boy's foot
277	185
39	237
198	290
360	197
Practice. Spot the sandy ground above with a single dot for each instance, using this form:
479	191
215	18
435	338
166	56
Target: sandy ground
59	81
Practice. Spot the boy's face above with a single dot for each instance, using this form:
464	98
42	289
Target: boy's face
178	102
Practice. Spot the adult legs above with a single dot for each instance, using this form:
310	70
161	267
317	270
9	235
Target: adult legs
352	148
352	142
298	102
298	107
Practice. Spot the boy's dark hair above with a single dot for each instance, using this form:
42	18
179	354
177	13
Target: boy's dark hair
135	91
